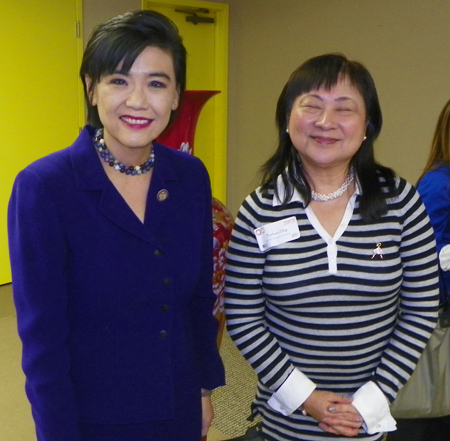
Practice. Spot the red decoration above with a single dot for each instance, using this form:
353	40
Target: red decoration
180	134
222	225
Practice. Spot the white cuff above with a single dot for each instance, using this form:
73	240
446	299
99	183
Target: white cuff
444	258
292	394
373	406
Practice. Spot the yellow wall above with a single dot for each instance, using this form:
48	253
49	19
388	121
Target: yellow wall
207	64
39	90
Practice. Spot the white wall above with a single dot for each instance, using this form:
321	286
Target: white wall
405	44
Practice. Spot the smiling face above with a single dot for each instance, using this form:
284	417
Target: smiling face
327	127
135	107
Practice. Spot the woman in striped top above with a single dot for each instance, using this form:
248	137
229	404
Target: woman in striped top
332	286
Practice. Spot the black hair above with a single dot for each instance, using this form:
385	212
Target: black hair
326	71
123	38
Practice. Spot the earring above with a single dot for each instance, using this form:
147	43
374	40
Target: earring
287	130
365	137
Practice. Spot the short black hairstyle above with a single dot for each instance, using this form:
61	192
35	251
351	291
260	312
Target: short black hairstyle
123	38
326	71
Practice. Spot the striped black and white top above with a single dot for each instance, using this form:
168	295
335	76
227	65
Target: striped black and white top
343	310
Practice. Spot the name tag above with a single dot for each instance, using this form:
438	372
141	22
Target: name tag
276	233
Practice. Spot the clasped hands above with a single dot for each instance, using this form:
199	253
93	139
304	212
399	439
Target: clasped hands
334	413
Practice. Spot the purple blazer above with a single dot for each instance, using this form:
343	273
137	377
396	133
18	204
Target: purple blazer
115	316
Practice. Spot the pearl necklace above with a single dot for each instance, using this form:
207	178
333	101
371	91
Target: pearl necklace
108	157
320	197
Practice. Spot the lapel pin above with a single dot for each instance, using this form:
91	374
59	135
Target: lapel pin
162	195
378	251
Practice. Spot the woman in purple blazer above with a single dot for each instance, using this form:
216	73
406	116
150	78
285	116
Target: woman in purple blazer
111	254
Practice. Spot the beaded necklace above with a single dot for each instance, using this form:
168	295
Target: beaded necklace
339	192
109	158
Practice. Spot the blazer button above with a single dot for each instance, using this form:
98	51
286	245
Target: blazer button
157	252
164	308
166	280
163	334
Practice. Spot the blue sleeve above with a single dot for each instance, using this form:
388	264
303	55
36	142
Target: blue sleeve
38	261
434	189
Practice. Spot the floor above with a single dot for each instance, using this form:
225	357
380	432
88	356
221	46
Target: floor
15	417
16	423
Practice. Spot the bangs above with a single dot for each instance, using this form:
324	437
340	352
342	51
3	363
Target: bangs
110	56
320	73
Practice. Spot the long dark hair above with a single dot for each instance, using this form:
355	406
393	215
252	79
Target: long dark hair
326	71
440	147
123	38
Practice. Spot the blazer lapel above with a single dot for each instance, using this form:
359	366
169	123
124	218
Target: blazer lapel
113	206
90	176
